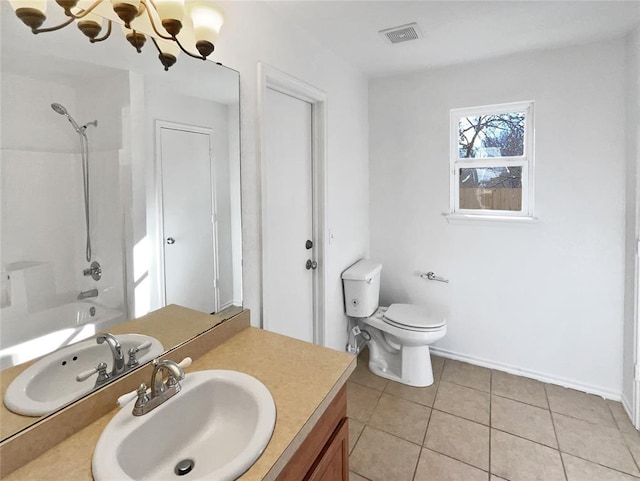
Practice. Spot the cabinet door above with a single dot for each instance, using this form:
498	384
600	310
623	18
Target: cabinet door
333	463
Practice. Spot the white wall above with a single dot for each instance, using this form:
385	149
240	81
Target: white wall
632	209
253	33
545	299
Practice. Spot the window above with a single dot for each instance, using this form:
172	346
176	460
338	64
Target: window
492	160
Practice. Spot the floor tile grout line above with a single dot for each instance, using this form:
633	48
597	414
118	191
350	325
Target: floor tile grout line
615	420
519	401
519	436
591	461
415	468
382	430
367	386
627	445
555	432
464	385
564	452
409	400
358	437
424	438
624	438
461	417
604	426
457	460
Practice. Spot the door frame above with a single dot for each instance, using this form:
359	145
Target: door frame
272	78
164	124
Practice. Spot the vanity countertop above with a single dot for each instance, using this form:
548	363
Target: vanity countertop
283	364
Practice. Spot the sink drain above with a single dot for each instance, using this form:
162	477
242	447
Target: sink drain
184	467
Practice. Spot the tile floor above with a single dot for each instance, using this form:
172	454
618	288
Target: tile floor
477	424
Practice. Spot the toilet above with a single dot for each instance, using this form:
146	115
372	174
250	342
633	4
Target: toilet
400	334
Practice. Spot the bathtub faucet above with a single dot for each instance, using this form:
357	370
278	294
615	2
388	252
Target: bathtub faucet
87	294
116	352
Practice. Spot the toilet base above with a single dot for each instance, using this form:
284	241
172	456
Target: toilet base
410	365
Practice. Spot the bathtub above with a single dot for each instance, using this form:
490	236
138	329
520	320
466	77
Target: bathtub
28	337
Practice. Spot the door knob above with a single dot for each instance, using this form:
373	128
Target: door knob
171	240
311	264
308	244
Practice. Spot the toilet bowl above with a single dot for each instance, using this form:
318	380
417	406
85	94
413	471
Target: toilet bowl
400	334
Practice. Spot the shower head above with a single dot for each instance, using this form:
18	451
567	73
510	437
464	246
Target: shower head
59	108
63	111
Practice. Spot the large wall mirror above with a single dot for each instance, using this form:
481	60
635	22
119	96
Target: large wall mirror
102	137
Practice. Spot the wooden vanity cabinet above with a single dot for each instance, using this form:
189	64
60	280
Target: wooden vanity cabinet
324	454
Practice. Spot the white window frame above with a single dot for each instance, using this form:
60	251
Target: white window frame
526	161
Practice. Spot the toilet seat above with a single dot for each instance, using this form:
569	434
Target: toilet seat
411	317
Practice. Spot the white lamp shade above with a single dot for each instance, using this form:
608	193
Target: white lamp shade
142	24
40	5
170	9
135	3
91	17
170	48
207	21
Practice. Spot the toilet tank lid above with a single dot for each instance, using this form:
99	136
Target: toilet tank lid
363	270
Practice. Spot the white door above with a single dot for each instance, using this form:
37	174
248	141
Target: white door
288	291
188	219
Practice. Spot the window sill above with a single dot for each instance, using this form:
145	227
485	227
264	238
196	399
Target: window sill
499	219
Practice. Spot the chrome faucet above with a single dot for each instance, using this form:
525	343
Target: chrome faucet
116	352
160	390
88	294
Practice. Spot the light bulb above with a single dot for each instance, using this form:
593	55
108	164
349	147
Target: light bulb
169	48
133	3
170	9
40	5
207	21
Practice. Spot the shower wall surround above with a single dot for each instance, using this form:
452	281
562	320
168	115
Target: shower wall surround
42	199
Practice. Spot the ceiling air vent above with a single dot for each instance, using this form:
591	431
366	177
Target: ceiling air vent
403	33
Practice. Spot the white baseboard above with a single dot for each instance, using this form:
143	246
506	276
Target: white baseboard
626	404
548	378
225	305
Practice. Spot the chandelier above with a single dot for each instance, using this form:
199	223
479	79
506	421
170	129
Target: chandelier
173	25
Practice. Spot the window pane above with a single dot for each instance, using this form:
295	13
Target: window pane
496	135
491	188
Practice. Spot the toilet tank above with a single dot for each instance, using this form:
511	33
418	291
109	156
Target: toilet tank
362	288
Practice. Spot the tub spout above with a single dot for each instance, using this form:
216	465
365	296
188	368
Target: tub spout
87	294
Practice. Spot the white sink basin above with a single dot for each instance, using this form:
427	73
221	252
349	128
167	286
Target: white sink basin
221	421
50	383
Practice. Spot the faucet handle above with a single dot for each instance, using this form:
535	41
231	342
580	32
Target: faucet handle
185	363
143	397
101	369
133	361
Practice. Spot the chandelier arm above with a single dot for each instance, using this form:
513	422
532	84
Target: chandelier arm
105	36
153	24
160	56
52	29
83	12
200	57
